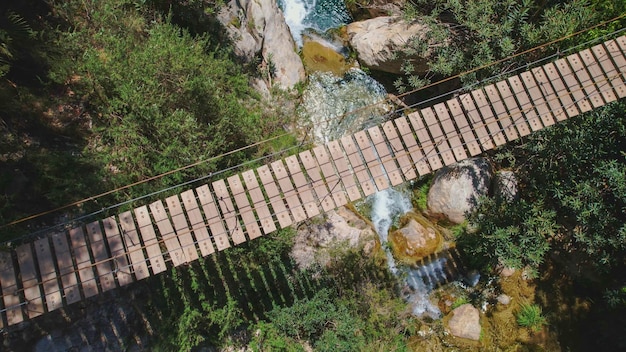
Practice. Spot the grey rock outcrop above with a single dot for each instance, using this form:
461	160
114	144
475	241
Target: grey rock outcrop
379	41
340	227
456	188
465	322
258	27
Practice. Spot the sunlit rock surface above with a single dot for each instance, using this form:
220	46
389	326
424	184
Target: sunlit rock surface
456	189
415	240
258	28
465	322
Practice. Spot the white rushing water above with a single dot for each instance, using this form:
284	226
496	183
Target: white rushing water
317	15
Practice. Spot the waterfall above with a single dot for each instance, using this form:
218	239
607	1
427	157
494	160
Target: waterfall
317	15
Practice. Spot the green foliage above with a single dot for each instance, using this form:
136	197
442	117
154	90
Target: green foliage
466	34
459	302
516	234
530	316
574	181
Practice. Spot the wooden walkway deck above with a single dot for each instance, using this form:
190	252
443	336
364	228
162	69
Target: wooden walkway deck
66	267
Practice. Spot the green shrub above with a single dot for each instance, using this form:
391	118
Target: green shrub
530	316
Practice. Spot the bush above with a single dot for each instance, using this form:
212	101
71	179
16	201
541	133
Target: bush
530	316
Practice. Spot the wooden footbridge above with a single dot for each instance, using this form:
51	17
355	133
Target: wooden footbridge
66	267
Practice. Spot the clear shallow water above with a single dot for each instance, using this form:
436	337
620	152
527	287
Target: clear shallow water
318	15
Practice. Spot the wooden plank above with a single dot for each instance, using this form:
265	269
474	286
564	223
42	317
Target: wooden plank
243	204
537	98
621	41
612	74
401	155
330	176
182	228
502	115
121	267
277	202
469	139
10	296
516	115
320	188
220	237
260	204
133	245
197	223
342	164
442	143
104	262
167	233
488	117
597	76
372	161
476	122
578	68
560	90
49	276
384	154
30	280
302	185
83	262
414	150
549	95
441	111
229	213
358	166
65	264
527	107
426	143
289	193
574	87
153	250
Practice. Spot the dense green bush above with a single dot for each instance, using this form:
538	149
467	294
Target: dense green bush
479	32
573	197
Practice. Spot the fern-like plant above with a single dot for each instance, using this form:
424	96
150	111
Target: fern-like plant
530	316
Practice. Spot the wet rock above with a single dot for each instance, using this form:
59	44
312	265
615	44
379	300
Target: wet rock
506	186
321	55
379	42
456	188
258	27
416	240
465	322
472	278
339	227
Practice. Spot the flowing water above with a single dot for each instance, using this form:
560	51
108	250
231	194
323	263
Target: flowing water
317	15
325	102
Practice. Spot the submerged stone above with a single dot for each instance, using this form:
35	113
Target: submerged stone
416	240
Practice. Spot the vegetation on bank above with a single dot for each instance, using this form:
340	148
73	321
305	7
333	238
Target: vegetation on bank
101	94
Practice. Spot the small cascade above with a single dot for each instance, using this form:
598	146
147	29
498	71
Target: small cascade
316	15
432	272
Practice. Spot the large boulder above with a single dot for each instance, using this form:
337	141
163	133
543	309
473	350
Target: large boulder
465	322
379	41
339	228
456	188
258	27
416	240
